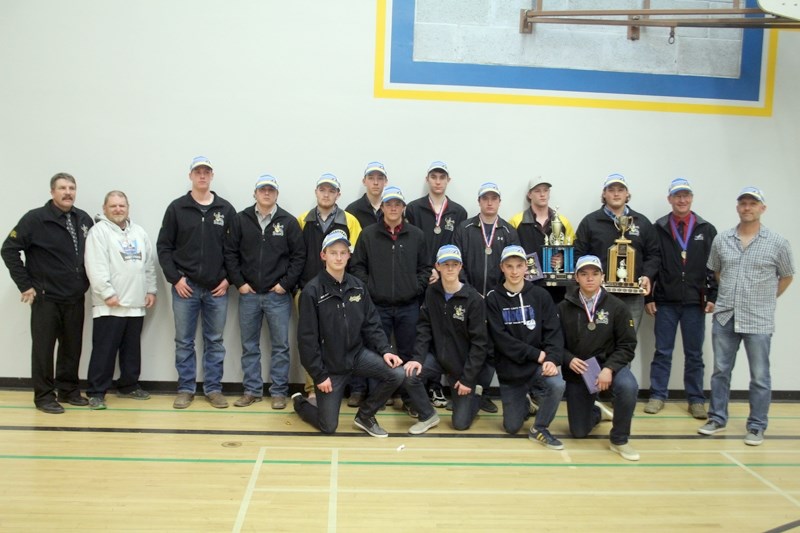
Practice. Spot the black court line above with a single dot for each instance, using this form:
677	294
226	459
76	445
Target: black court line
520	435
785	527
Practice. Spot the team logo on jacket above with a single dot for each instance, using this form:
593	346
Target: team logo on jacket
602	317
449	224
633	229
355	298
699	237
13	234
219	219
85	230
459	313
277	230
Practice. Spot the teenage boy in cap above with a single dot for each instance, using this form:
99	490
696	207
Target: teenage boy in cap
44	255
526	334
438	217
534	224
481	240
598	231
452	338
316	224
264	256
684	290
392	260
753	266
367	209
337	313
598	325
121	265
191	252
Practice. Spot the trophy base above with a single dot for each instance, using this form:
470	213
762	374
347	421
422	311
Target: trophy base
559	279
621	287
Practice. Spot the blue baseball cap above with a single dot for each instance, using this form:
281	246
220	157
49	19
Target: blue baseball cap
330	179
267	181
200	161
678	185
513	250
438	165
375	166
487	188
611	179
755	192
588	260
448	252
335	236
392	193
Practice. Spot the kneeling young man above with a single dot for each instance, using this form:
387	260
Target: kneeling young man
452	339
528	345
339	335
598	325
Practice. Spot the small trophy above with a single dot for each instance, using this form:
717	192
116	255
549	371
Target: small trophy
534	271
557	254
621	267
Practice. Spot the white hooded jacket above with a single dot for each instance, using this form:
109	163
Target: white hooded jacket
122	263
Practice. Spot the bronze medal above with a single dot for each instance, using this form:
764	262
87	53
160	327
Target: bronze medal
591	326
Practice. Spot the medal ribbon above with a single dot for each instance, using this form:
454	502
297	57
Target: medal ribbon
683	240
440	213
491	236
590	314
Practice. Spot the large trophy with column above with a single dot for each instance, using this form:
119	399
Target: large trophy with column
621	266
558	265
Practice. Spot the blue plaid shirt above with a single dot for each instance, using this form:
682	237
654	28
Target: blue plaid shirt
748	278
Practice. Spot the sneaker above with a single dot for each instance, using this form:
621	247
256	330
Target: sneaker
246	400
437	397
183	400
627	451
606	414
96	403
217	400
710	428
488	405
754	437
533	406
355	399
698	411
543	437
424	425
138	394
371	426
410	411
279	402
653	406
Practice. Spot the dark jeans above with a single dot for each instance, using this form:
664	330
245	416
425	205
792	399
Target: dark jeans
51	322
465	407
692	321
583	415
402	321
325	415
112	334
515	404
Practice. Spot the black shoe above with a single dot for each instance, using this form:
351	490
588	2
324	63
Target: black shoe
75	399
488	405
52	407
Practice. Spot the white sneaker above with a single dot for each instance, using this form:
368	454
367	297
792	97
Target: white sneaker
606	414
424	425
626	451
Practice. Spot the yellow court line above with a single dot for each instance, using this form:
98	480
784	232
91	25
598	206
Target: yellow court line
381	91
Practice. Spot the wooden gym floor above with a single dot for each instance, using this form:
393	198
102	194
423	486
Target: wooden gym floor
143	466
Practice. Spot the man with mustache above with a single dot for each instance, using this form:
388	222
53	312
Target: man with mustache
52	279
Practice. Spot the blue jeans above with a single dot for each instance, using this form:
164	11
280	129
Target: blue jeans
187	310
325	415
692	320
726	343
515	405
583	415
402	321
277	309
465	407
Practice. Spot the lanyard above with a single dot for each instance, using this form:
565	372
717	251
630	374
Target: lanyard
438	215
683	240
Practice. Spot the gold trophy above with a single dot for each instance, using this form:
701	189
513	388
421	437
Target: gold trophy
621	267
557	254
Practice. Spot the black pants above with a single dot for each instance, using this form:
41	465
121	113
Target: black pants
51	322
112	334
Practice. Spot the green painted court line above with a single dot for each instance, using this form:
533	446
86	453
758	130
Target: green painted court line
445	464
